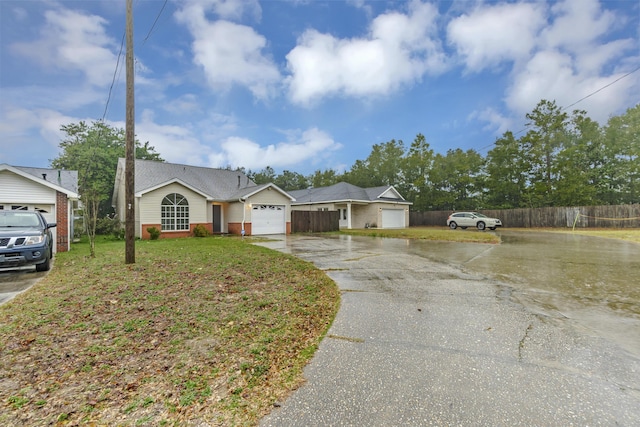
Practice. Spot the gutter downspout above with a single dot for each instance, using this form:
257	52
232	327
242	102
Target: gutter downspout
244	215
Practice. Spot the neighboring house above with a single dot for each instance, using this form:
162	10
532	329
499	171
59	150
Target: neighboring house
53	192
381	207
176	198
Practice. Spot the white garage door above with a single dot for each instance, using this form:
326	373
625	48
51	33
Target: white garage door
393	218
268	219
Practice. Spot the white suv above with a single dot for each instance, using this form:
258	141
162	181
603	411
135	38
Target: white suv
472	219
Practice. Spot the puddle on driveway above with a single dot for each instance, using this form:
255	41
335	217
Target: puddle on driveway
592	280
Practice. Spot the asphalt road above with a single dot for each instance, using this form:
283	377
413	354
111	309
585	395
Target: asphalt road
428	335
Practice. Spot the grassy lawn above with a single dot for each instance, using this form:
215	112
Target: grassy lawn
428	233
199	331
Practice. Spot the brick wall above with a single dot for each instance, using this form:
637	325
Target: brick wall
236	228
62	222
170	234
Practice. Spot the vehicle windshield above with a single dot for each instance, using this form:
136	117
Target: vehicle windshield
19	219
480	215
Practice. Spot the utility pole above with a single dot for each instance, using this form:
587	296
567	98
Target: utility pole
130	135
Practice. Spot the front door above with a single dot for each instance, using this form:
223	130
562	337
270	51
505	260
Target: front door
342	215
217	219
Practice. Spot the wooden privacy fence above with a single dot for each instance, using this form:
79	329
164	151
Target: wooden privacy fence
614	216
314	221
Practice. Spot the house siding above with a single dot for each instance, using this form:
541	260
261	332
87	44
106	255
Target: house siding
16	189
363	215
148	210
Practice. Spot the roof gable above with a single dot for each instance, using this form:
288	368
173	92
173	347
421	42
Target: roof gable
250	191
65	181
385	192
173	181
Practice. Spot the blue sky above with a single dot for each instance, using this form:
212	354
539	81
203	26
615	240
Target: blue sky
307	85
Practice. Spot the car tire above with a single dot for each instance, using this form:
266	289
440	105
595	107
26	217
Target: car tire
453	225
46	265
481	225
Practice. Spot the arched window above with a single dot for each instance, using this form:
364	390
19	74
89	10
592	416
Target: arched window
175	212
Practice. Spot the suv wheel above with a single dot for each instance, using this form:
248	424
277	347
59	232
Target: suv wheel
45	266
480	225
453	225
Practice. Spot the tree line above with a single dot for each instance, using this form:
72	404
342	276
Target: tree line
562	160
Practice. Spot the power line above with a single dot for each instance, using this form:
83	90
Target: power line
603	87
154	23
115	72
113	80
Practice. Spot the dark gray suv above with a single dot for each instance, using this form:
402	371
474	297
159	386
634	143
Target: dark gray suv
25	239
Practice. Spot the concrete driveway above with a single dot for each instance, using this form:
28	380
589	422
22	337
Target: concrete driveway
15	281
427	335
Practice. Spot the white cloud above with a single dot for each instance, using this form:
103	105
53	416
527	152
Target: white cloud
492	34
176	144
72	40
229	53
496	121
19	124
399	49
577	23
228	9
558	54
550	75
307	146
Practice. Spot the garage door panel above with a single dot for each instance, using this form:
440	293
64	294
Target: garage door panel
268	219
393	218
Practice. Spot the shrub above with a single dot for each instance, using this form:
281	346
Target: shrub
200	231
154	233
110	226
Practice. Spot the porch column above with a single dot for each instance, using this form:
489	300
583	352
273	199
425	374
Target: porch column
349	215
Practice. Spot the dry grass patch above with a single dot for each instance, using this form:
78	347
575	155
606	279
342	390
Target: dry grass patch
429	233
200	331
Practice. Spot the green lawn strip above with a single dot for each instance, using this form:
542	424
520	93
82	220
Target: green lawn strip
198	330
428	233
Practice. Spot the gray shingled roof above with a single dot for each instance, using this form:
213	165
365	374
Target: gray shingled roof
62	178
341	191
217	184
